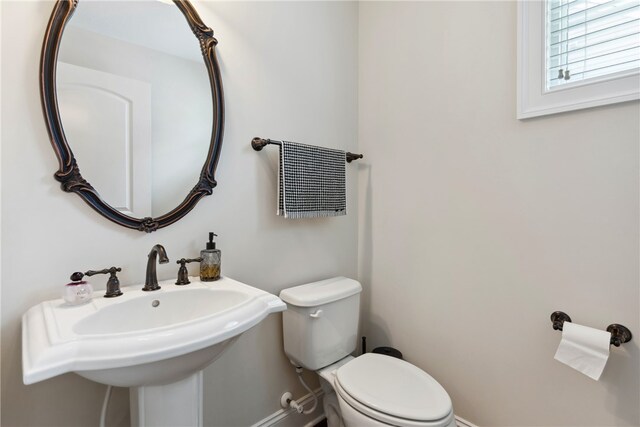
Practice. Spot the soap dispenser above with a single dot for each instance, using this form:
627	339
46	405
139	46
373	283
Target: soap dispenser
78	291
210	261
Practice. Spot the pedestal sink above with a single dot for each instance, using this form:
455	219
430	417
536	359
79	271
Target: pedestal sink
156	342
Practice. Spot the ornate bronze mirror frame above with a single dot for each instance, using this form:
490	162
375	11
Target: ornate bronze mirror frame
68	173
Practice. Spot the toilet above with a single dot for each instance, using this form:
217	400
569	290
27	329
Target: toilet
320	329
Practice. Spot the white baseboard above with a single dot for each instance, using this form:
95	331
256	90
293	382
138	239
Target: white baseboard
461	422
290	418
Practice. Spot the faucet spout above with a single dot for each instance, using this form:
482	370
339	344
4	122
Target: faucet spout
151	281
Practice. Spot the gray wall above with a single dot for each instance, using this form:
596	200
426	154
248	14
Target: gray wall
476	226
289	71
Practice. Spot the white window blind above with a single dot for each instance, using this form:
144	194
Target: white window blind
589	39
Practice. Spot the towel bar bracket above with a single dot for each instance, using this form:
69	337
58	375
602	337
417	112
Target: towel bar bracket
259	143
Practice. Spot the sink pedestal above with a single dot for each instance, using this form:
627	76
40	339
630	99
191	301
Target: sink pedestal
175	404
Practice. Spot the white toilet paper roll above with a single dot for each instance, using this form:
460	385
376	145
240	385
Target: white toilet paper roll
583	348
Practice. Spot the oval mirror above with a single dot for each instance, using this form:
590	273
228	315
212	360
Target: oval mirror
124	83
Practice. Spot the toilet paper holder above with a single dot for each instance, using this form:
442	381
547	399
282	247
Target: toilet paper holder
619	334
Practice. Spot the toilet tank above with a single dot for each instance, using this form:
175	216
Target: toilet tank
320	324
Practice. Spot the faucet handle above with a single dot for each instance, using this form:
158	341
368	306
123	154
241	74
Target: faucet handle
183	274
113	284
183	261
111	270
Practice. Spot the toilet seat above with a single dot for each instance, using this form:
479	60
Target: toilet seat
393	391
360	415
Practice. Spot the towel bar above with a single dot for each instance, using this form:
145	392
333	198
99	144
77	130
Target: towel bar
259	143
619	334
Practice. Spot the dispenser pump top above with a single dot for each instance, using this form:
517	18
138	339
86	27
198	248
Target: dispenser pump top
211	244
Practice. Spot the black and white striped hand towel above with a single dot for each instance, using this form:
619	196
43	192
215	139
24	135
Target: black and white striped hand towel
311	181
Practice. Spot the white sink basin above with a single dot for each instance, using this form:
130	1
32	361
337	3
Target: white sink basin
173	308
141	338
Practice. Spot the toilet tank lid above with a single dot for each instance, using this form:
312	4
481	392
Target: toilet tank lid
321	292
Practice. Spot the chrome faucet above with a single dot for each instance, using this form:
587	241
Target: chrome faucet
151	281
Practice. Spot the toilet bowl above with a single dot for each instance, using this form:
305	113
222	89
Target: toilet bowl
378	390
320	331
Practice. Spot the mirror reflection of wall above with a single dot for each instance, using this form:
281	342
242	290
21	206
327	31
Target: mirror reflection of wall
135	105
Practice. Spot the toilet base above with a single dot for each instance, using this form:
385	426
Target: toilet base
332	410
330	401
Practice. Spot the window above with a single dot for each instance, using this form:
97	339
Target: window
575	54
